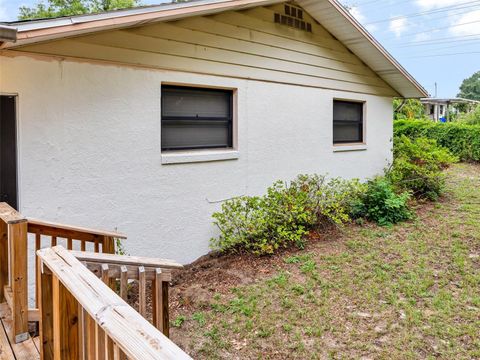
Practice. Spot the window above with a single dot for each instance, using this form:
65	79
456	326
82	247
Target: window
347	122
194	118
432	109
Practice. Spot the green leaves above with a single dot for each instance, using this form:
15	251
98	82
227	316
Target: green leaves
381	204
284	215
56	8
461	139
418	165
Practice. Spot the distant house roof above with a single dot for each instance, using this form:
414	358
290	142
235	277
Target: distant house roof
329	13
448	101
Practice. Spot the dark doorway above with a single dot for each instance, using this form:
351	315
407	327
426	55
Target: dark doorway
8	150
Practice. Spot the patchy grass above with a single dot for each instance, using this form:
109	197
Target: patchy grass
409	291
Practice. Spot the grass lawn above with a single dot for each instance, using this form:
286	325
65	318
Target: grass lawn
408	291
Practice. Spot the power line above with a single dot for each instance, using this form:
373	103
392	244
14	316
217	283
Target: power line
423	13
458	38
446	54
436	29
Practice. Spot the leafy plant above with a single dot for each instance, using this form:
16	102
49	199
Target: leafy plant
418	165
179	320
284	215
381	204
459	138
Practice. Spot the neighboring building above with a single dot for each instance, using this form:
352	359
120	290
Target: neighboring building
441	109
145	120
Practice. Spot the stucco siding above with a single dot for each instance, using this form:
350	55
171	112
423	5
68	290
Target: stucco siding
244	44
89	149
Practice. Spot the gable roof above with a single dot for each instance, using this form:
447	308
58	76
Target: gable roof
329	13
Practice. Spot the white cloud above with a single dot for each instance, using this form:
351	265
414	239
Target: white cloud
471	21
357	14
398	26
422	37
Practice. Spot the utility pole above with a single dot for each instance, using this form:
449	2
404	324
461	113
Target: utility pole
436	89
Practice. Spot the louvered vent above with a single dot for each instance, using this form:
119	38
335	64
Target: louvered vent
293	17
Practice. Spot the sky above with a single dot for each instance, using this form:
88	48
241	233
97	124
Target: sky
437	41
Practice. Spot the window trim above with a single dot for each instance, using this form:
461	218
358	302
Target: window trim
232	120
363	141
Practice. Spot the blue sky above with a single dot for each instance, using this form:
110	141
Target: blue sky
437	41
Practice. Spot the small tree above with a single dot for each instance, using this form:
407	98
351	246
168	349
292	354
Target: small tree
56	8
412	109
470	88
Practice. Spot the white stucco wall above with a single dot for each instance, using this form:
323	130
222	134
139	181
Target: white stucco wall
89	149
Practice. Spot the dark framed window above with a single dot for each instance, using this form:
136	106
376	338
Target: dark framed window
347	122
196	118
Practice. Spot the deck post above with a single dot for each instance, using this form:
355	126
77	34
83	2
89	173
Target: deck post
65	323
17	234
3	259
46	312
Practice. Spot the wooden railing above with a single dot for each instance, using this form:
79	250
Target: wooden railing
122	270
82	318
14	240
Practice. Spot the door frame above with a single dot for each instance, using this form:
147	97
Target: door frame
17	142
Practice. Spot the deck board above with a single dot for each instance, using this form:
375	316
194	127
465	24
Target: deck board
22	351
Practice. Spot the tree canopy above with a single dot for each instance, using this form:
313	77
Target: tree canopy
470	88
56	8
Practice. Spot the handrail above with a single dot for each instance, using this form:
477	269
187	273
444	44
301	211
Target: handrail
14	239
36	223
109	324
117	270
126	260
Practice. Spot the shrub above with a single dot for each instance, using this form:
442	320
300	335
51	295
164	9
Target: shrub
284	215
459	138
381	204
472	118
418	165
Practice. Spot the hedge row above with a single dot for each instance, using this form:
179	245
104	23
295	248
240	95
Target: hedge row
461	139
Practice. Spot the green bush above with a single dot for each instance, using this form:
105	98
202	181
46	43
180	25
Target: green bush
381	204
284	215
461	139
418	165
472	118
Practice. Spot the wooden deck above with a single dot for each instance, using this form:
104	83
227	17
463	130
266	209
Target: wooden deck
26	350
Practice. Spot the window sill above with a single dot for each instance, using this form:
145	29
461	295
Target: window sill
193	156
349	147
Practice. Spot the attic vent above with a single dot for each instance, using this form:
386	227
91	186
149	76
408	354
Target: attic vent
293	17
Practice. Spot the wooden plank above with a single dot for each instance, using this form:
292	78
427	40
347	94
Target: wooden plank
123	282
157	306
128	40
45	293
4	278
19	255
23	350
9	215
204	38
36	223
142	292
128	329
165	310
38	246
126	260
65	323
114	271
78	49
90	339
6	352
105	275
100	345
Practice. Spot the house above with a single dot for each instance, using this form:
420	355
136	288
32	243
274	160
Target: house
438	109
145	120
